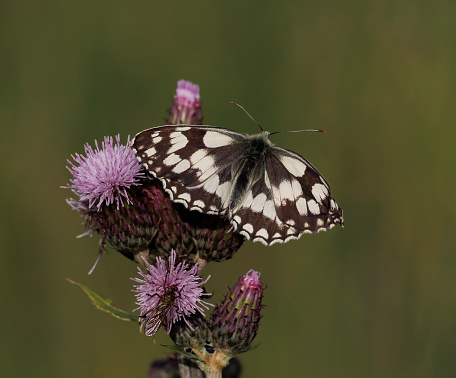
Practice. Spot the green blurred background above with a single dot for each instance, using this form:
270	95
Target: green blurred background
376	299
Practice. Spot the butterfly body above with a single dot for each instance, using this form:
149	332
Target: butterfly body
247	168
268	193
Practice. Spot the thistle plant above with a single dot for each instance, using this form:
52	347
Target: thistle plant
131	212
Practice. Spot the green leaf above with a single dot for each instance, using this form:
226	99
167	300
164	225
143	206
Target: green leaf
105	304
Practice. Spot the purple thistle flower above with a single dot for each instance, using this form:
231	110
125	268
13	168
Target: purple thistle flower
168	291
186	108
104	175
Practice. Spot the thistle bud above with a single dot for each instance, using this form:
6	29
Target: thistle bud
213	236
186	108
235	321
192	334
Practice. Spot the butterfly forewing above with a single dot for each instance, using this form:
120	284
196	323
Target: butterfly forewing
270	194
192	173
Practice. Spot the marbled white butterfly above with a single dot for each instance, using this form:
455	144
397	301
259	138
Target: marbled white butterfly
268	193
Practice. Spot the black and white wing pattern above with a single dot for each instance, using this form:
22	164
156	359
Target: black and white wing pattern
268	193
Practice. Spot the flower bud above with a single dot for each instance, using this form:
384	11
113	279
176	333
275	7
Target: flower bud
213	236
235	321
186	108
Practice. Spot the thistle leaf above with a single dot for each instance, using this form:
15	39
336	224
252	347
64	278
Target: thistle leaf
105	304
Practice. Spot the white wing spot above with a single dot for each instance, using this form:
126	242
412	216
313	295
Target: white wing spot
211	184
286	190
294	166
247	200
301	205
237	219
157	139
214	139
185	196
204	164
269	210
263	233
178	143
276	196
208	173
172	159
258	203
320	222
296	187
151	151
197	156
313	207
182	166
320	192
199	203
183	128
248	227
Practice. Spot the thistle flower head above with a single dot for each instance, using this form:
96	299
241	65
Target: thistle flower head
104	175
167	292
235	321
186	108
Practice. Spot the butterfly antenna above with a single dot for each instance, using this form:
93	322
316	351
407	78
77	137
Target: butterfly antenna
298	131
246	112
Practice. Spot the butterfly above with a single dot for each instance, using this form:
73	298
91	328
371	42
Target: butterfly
268	193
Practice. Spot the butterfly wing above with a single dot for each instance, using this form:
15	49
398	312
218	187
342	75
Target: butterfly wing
291	199
194	163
